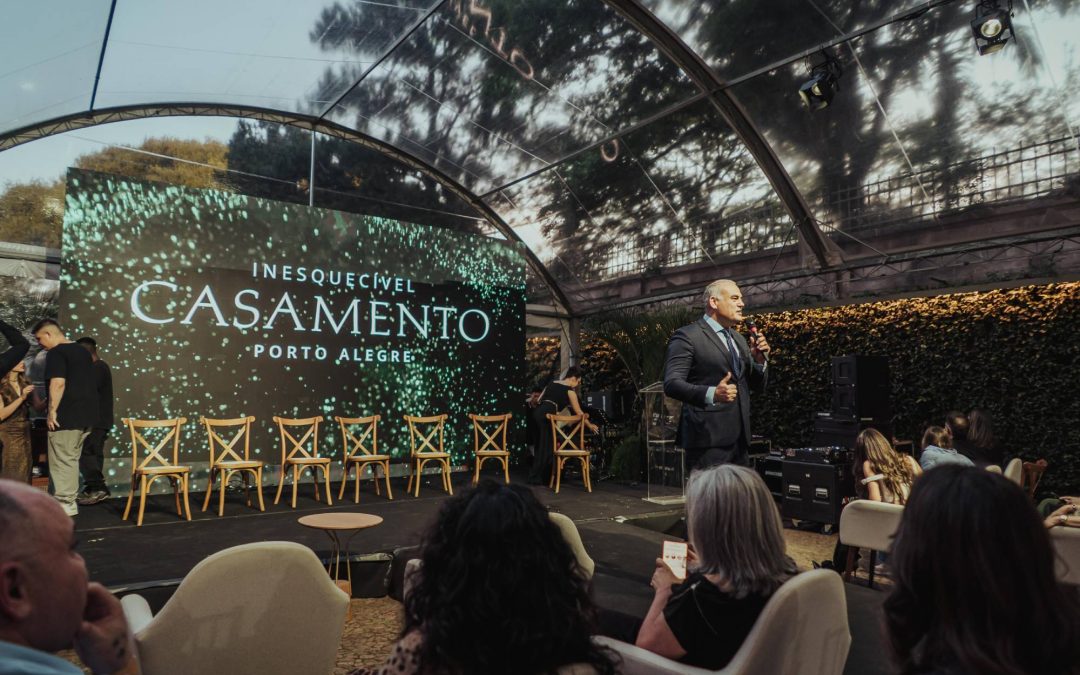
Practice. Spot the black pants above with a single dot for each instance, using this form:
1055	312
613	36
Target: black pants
541	468
92	460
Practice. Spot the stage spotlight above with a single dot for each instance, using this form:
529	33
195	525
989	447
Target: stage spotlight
818	92
992	26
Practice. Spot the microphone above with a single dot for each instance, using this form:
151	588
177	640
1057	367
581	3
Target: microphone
751	328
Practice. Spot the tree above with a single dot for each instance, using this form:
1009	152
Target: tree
32	213
162	160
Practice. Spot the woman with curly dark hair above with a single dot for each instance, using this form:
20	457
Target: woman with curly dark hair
974	586
499	591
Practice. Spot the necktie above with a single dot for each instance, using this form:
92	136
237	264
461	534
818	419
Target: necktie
736	361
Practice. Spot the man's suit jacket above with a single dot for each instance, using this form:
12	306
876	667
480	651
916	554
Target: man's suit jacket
698	359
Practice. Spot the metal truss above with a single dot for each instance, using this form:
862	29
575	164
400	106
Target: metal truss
137	112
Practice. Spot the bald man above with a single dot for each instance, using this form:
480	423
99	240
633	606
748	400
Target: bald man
73	409
46	601
711	368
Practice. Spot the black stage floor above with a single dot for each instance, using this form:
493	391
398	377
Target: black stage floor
165	548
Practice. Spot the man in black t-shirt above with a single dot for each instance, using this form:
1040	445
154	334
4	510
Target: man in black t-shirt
72	409
92	460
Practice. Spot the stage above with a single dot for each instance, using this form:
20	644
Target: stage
619	530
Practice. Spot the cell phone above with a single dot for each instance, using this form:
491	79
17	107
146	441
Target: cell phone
674	556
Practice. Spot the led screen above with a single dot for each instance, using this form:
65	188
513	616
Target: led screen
208	303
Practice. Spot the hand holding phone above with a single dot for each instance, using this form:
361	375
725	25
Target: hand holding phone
674	556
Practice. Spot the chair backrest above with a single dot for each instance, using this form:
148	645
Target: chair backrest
1031	474
153	452
573	538
1014	471
267	607
803	630
1066	541
493	429
567	432
226	451
869	524
366	443
423	432
994	468
291	446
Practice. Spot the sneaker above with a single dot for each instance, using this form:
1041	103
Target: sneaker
91	498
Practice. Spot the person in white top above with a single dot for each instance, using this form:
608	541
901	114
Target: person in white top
887	474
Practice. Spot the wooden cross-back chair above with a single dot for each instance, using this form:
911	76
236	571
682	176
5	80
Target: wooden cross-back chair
295	454
494	444
225	459
154	465
568	443
1032	473
363	451
423	448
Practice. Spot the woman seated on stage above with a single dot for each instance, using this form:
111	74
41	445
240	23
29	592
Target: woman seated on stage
499	591
974	589
887	474
739	561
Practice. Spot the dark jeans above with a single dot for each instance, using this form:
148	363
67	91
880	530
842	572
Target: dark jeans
92	460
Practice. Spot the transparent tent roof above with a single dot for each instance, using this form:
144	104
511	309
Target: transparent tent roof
614	138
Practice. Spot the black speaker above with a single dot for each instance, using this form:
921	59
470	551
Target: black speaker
816	492
842	430
861	387
860	370
771	469
852	401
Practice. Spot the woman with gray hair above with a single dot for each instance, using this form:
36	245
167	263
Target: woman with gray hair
738	560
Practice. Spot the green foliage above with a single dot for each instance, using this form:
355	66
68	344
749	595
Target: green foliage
32	213
626	458
603	369
1010	352
204	160
640	337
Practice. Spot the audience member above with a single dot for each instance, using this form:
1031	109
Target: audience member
19	345
957	424
72	409
556	396
46	601
499	591
937	449
887	474
1060	512
92	459
980	436
16	459
739	561
974	587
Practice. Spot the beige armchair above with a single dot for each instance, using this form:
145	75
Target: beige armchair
267	607
803	630
573	538
1014	471
868	524
1066	541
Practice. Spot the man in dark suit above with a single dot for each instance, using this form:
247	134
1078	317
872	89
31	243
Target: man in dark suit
711	368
